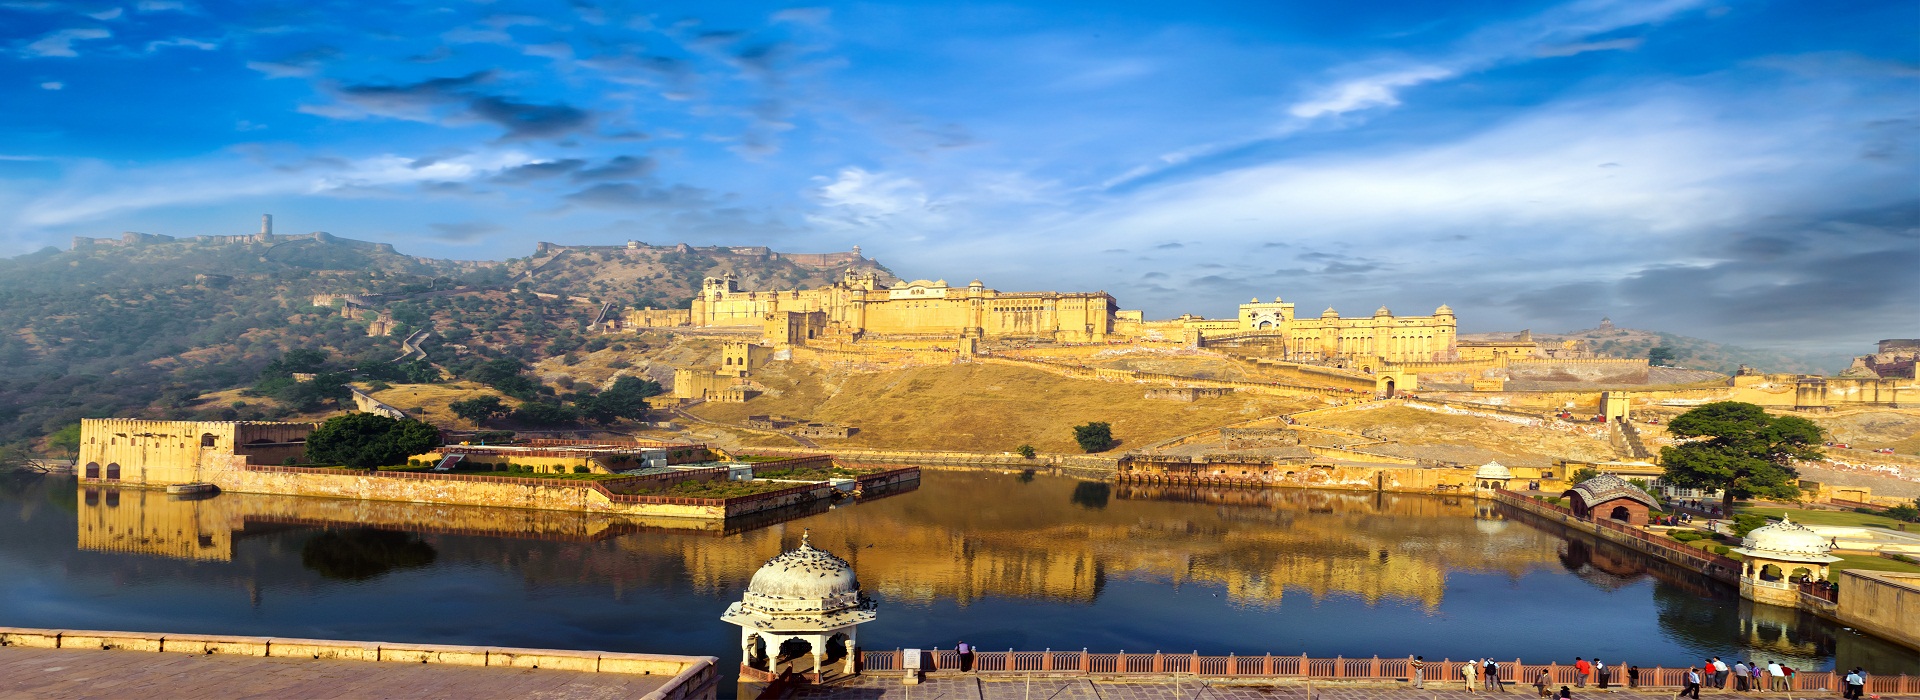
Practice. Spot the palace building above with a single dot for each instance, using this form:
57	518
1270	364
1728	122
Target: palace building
857	306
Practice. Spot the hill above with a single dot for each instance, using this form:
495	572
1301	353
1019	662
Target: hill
153	326
1690	353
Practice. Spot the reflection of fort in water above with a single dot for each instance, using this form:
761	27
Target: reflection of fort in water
1049	538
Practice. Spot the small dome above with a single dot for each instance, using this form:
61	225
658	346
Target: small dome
1382	311
1786	539
804	572
1329	313
975	283
1493	470
1444	310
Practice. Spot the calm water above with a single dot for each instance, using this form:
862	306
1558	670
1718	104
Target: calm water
999	560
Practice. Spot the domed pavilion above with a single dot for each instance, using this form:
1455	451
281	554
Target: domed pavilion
1612	498
1775	555
805	602
1491	476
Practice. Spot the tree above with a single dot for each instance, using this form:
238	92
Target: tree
65	440
627	398
1740	448
479	409
369	440
545	413
1660	356
1094	437
1583	474
1025	451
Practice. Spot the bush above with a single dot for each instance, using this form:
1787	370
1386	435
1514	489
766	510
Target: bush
1721	549
582	469
1747	522
1094	437
1025	451
1686	535
1905	512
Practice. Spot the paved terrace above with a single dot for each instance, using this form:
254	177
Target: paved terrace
84	664
889	687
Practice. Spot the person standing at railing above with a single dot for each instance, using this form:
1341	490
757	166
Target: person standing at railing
1633	676
1600	672
1740	672
1581	669
1855	685
1776	677
965	651
1492	673
1419	668
1467	673
1720	672
1541	682
1693	684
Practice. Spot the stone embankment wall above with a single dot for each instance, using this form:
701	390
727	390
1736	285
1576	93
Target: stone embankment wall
691	677
367	404
1718	567
1884	603
1097	466
1390	479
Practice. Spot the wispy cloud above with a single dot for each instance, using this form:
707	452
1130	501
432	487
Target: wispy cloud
60	43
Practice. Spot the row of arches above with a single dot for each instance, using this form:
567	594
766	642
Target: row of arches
113	471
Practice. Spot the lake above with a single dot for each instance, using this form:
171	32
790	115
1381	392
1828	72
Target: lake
1000	560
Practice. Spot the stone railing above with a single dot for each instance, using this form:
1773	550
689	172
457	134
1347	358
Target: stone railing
1338	668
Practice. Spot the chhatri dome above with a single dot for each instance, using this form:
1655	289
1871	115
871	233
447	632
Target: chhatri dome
802	596
1787	541
1493	470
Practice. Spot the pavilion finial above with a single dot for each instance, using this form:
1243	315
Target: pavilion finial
806	537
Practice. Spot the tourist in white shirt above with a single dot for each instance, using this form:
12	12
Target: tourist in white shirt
1776	676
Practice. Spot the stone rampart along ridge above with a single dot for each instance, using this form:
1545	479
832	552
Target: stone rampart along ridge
689	677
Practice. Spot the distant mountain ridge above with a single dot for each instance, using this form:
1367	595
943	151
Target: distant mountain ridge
1688	352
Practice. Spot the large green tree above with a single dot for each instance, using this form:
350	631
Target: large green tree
1740	448
368	440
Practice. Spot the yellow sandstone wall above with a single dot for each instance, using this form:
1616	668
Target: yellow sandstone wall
1882	602
158	453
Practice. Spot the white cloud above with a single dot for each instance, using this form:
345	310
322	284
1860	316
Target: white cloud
185	42
94	190
856	198
60	43
1627	44
1372	91
104	15
161	6
53	85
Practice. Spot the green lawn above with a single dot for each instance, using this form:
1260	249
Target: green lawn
1825	517
1868	562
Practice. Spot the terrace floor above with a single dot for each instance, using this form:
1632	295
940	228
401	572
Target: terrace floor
82	673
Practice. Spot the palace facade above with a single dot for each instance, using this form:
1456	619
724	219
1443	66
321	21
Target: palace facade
858	307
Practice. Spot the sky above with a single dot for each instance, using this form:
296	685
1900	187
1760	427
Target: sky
1744	172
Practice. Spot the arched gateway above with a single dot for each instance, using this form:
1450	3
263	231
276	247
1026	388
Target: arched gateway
805	602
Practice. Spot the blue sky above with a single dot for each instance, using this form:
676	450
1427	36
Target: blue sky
1741	171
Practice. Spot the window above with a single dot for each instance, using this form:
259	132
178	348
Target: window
113	471
206	440
93	470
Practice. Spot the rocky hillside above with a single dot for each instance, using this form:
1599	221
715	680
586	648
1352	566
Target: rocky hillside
152	326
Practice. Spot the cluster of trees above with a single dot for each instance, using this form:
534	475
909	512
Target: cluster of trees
369	440
626	399
329	380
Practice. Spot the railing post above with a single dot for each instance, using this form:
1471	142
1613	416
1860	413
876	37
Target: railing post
1233	667
1305	669
1267	666
1159	662
1374	672
1046	660
1083	660
1338	661
899	659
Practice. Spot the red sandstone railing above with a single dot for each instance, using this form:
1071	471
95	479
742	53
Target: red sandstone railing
792	463
1820	590
1513	672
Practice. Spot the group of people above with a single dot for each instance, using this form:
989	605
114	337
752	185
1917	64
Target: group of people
1484	674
